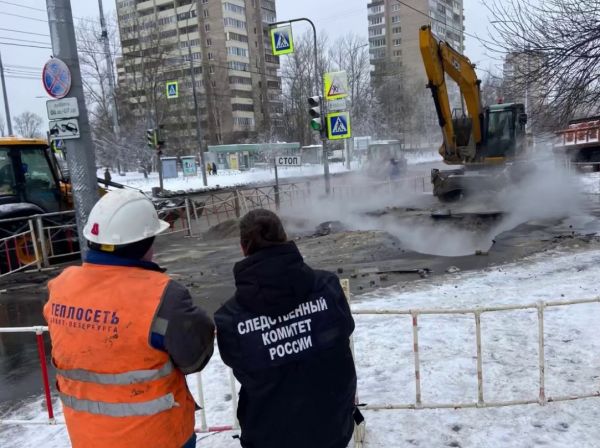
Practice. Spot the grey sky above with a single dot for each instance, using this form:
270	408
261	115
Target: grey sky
335	17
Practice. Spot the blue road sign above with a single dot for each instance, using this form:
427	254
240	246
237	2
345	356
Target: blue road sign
56	77
338	125
172	89
282	41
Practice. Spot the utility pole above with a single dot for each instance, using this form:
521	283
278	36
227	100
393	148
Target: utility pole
6	106
110	73
80	153
199	135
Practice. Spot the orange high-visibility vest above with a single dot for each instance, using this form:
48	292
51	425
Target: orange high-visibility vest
116	389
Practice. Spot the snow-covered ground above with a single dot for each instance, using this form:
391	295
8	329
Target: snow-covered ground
591	182
231	178
384	361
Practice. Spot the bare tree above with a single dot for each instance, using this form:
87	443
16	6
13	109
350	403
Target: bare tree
492	89
560	44
29	124
95	73
350	53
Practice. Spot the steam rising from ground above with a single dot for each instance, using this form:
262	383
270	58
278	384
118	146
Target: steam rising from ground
543	191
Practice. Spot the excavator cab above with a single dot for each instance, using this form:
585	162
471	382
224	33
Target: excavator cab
29	179
504	134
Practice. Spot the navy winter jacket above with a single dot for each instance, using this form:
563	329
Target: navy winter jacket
285	334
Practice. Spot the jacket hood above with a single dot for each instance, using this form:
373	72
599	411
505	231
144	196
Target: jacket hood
273	281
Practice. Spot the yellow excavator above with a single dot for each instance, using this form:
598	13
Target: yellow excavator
483	139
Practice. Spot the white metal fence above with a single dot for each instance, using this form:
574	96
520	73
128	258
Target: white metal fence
359	437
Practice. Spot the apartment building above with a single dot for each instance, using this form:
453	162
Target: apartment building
394	34
237	78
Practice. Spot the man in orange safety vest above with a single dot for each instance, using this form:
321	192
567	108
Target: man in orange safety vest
124	335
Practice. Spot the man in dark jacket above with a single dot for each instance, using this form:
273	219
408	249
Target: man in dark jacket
285	334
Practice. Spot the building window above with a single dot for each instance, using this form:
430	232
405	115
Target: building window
396	30
397	53
186	15
237	51
210	56
209	42
243	107
240	80
375	21
166	20
243	121
268	17
207	27
234	8
395	19
397	42
235	36
205	13
271	59
191	43
211	69
375	9
375	32
234	23
237	65
377	54
377	42
195	57
395	7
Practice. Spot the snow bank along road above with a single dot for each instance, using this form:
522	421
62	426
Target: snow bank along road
448	362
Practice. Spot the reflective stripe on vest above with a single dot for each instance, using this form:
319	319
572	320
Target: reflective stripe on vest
163	403
133	377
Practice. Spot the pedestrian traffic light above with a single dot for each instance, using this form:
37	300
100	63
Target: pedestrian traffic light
315	103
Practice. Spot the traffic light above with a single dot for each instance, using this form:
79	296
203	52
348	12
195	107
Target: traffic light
316	108
160	135
151	138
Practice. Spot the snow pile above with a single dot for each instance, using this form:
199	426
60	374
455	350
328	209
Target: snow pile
224	178
448	362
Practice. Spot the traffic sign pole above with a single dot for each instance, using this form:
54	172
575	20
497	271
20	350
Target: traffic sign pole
79	152
319	89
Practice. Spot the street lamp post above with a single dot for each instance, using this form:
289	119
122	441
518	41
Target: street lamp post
199	133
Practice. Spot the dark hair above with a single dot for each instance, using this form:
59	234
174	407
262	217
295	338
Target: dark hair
133	251
260	229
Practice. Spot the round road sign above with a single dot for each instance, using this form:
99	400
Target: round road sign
56	78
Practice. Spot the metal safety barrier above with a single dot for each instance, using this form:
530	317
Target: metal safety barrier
52	420
542	398
418	404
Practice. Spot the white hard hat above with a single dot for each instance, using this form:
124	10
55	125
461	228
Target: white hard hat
123	217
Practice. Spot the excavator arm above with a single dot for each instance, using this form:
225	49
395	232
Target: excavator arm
464	134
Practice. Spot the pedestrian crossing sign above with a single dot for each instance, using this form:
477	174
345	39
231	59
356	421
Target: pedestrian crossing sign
172	90
282	40
338	126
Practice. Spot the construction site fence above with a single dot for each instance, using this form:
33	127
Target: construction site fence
542	398
37	241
